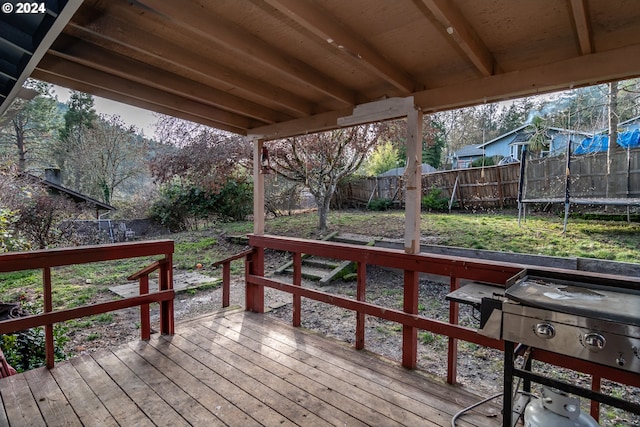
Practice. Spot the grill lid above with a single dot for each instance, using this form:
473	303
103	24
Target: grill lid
617	304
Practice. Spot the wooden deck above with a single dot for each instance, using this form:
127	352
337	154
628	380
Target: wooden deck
239	369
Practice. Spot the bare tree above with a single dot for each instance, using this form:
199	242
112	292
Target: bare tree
322	160
205	156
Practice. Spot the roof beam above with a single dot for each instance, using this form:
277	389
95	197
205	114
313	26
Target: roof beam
583	25
326	27
116	84
251	47
585	70
98	58
617	64
81	86
459	29
157	52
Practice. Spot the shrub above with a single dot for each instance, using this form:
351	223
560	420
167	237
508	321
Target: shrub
380	205
25	350
434	202
180	204
9	240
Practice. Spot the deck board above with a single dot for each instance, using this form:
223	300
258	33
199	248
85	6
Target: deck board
238	369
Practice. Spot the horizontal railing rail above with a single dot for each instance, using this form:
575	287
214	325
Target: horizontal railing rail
50	258
456	268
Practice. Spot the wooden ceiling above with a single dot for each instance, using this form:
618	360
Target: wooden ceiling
273	68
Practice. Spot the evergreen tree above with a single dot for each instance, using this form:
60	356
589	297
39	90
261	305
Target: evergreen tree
29	126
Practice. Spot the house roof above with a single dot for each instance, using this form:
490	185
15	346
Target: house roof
426	168
275	68
73	195
521	135
469	151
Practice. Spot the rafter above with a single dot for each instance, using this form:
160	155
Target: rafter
582	25
458	28
127	88
339	36
113	34
70	83
96	57
252	48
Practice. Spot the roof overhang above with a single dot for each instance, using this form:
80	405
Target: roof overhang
275	68
24	40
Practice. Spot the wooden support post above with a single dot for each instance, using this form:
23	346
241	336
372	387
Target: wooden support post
258	189
413	199
452	355
361	295
297	281
145	320
49	346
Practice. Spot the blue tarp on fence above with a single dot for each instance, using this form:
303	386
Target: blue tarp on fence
599	143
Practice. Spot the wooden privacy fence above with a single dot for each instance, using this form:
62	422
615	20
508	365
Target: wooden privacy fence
49	258
588	176
487	187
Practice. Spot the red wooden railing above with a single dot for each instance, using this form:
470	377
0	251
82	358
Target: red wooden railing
226	273
47	259
456	268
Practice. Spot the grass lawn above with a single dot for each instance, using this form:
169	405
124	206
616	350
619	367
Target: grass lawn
619	241
539	234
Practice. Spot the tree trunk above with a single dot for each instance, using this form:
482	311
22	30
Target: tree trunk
20	143
613	140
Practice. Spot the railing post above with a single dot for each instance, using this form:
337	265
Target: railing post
297	281
410	333
145	320
226	283
361	295
254	294
49	346
595	406
165	282
452	353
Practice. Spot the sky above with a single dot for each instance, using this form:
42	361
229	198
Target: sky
142	119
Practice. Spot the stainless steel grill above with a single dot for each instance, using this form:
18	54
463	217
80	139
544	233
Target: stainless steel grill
590	317
583	320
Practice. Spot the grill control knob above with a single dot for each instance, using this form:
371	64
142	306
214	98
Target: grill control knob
620	360
594	341
544	330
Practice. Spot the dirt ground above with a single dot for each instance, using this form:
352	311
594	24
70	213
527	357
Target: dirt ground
479	368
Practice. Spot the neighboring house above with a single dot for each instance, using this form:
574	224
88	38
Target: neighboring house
509	145
629	125
426	168
628	137
463	158
52	182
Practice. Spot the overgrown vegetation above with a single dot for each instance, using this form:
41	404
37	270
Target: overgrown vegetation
182	205
25	350
433	201
380	205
